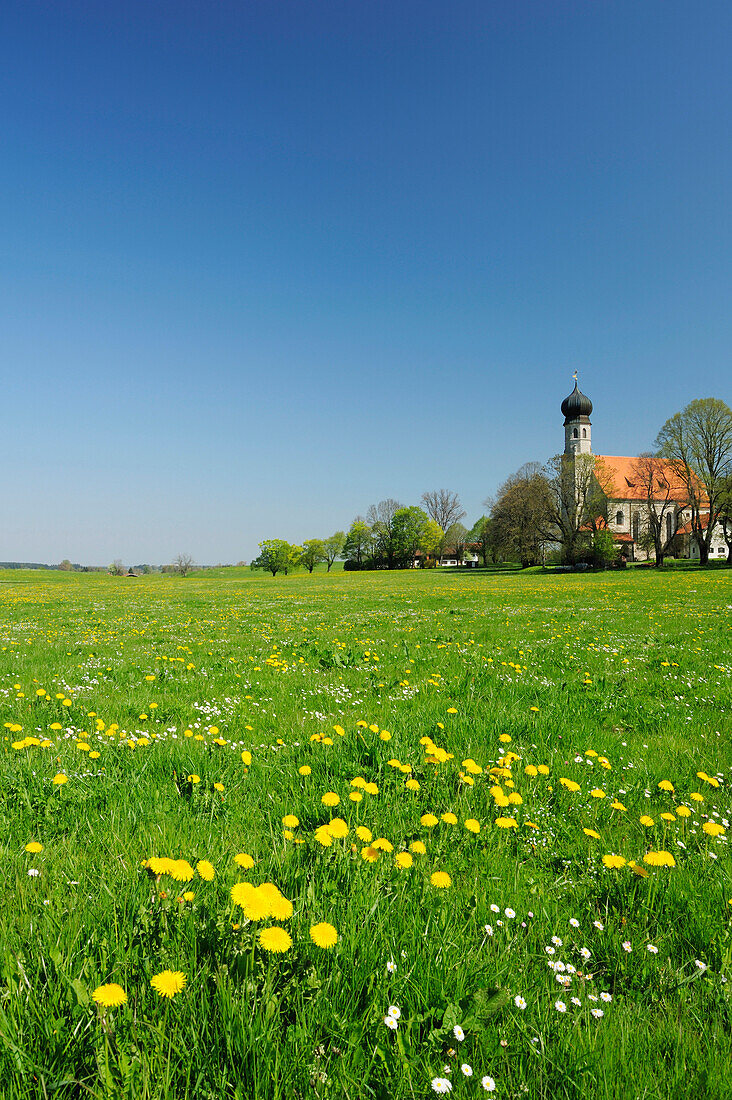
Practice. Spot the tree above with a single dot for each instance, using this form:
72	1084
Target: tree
183	564
411	533
334	547
521	515
274	556
117	569
294	558
698	443
481	535
578	487
66	566
603	547
456	538
313	551
661	500
444	507
381	520
358	542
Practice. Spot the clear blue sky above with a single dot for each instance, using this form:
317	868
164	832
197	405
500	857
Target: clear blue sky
264	262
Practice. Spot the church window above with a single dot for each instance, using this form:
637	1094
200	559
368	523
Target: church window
575	434
636	527
619	519
584	433
669	528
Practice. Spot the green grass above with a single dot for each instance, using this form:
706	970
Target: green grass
634	667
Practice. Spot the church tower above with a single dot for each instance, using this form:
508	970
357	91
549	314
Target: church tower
577	427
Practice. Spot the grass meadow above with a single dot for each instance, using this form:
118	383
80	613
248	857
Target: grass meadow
378	835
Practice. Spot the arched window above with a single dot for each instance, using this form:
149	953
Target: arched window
669	527
619	518
575	434
636	527
584	433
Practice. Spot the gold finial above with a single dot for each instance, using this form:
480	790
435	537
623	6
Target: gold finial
575	376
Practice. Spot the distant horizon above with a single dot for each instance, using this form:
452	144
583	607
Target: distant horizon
264	266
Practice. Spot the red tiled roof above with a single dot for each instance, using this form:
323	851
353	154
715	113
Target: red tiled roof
686	529
619	478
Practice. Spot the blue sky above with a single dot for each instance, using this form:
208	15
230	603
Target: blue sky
265	262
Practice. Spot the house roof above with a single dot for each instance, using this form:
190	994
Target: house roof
687	530
619	476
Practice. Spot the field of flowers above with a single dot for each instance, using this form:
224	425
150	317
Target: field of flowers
366	836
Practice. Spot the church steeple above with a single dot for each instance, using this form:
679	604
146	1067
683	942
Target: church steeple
577	427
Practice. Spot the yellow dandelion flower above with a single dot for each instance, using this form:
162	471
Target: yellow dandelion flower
428	820
449	818
337	828
612	861
275	939
592	833
181	870
168	983
364	834
322	835
441	880
241	892
506	823
244	860
370	854
110	995
324	935
290	821
619	806
647	821
418	848
330	798
712	829
659	859
683	811
205	870
34	847
403	861
664	785
472	825
412	785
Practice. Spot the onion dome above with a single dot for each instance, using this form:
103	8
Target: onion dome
576	405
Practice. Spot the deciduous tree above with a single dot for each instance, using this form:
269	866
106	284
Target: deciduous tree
381	520
183	564
274	556
698	442
521	515
481	535
334	547
313	551
661	504
358	542
444	507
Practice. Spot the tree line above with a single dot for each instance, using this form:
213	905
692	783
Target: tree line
390	536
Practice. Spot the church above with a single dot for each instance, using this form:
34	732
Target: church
632	485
